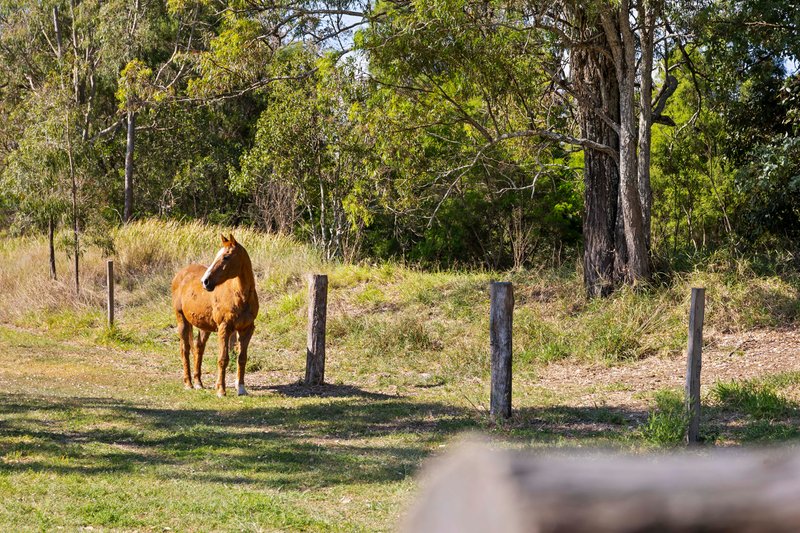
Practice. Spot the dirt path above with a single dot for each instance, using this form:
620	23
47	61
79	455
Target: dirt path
726	357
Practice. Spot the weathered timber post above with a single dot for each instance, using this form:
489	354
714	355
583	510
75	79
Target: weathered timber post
694	357
110	285
477	487
500	327
317	315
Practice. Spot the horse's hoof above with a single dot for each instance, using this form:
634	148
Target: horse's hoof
220	393
241	391
198	386
187	386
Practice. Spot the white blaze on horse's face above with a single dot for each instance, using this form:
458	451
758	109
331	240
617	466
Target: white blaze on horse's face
204	280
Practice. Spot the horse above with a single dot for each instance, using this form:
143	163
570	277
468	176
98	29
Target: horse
221	298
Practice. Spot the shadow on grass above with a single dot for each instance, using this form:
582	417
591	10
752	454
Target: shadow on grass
717	426
351	437
326	390
753	411
348	436
344	435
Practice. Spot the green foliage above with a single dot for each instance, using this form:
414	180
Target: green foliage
35	174
409	133
695	195
238	56
135	85
771	186
723	178
450	78
307	161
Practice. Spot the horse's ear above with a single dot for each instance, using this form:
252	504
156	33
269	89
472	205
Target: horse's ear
224	240
232	240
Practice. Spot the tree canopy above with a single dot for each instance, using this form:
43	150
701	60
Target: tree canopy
641	134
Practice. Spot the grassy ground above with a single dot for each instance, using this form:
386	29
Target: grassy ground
96	429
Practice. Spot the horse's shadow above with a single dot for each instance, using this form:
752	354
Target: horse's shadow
298	389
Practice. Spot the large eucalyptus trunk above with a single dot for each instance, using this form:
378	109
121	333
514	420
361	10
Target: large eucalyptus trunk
596	82
635	266
647	33
617	193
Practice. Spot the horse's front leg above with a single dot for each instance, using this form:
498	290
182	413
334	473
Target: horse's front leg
224	333
241	362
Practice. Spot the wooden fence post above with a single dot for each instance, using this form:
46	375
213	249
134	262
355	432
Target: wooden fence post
317	315
694	356
500	328
110	285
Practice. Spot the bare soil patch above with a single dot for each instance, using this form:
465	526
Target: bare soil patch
726	357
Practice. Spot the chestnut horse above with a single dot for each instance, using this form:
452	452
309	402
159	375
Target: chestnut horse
219	298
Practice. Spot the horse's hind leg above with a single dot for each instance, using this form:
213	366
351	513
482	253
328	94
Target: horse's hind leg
232	342
199	349
241	362
185	332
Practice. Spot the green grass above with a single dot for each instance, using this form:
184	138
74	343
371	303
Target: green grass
756	398
111	440
739	411
667	422
96	429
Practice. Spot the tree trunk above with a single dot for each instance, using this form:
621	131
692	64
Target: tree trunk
618	196
638	261
621	249
616	26
57	28
596	82
76	237
127	213
51	230
75	226
647	14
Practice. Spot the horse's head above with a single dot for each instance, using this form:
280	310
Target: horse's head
226	265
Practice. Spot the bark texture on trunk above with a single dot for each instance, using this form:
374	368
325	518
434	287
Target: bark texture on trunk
127	213
622	44
596	82
647	31
612	68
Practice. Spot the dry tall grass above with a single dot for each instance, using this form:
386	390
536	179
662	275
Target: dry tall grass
26	285
147	254
388	316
